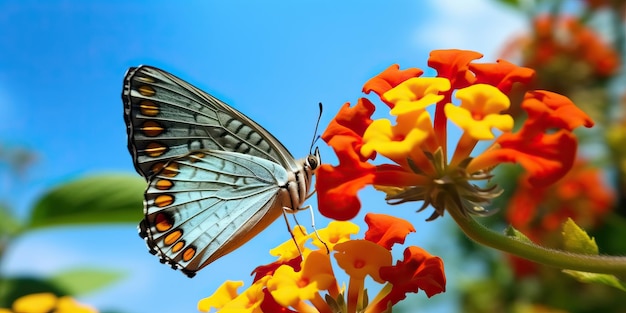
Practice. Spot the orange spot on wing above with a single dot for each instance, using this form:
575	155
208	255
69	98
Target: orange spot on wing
149	108
155	149
173	237
163	201
151	128
163	222
145	79
189	253
163	184
195	157
170	170
156	167
179	245
146	91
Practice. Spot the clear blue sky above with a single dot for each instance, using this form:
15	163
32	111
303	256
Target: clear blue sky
61	70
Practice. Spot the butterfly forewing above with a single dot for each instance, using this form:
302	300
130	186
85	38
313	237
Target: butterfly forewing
215	177
168	118
207	204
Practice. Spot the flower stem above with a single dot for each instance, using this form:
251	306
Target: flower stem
536	253
354	293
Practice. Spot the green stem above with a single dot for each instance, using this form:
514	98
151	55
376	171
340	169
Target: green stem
528	250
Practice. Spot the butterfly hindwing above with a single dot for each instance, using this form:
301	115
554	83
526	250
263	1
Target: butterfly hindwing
206	201
167	118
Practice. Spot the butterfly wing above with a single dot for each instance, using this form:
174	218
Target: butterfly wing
167	118
204	205
215	177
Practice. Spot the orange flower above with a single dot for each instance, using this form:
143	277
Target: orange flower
581	195
565	40
285	287
544	144
418	270
386	230
539	212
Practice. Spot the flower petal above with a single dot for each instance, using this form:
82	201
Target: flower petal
224	294
453	64
289	287
362	257
337	186
386	230
546	157
389	78
551	110
418	270
415	94
270	305
336	232
479	111
269	269
397	142
288	249
502	74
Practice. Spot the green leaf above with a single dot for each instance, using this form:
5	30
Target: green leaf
9	224
605	279
510	231
110	198
576	240
516	4
81	281
12	288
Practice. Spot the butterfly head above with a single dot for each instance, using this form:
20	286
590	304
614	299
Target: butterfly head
314	160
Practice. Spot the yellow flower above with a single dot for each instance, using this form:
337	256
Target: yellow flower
307	283
289	287
47	303
479	111
336	232
225	293
226	300
288	250
415	94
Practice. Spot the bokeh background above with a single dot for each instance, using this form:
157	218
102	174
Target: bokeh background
61	69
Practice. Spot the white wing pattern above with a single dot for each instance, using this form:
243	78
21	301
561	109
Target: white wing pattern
215	177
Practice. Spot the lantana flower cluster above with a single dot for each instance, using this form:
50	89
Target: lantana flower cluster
472	96
559	41
303	279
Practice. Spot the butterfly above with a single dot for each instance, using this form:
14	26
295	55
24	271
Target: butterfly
215	177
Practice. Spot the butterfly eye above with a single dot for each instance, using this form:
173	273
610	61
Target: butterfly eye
313	161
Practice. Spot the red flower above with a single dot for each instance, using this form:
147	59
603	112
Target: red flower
418	270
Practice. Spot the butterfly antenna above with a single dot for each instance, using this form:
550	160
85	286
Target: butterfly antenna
315	135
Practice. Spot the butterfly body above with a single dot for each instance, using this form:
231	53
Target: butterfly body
215	177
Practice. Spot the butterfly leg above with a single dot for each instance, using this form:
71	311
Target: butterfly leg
309	196
285	211
310	208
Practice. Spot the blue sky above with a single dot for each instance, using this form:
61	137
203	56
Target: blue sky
61	70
